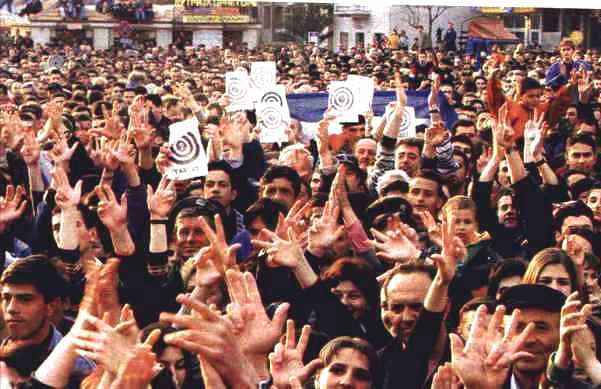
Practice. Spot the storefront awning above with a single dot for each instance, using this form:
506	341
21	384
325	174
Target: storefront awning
490	29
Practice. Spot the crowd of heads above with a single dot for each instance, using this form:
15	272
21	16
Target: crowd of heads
397	260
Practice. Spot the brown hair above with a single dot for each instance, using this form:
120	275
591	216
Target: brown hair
329	351
458	202
550	256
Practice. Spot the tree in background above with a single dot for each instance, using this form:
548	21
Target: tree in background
424	15
303	18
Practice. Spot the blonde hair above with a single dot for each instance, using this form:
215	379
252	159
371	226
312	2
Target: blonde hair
458	202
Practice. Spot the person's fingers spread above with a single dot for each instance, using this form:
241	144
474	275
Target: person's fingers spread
290	334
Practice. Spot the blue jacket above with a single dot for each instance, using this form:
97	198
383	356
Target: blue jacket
555	79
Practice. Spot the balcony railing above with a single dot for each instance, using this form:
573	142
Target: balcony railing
351	10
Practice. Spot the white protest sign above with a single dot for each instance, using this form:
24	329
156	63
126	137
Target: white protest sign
274	94
366	90
273	121
187	155
237	87
263	74
344	101
408	121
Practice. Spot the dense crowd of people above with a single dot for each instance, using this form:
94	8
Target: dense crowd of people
466	256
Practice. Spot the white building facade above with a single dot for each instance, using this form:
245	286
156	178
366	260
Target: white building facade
356	25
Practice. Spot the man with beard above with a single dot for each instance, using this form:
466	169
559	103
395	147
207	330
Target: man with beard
365	152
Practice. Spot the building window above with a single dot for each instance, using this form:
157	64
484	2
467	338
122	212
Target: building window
360	39
551	20
535	22
534	38
514	21
344	40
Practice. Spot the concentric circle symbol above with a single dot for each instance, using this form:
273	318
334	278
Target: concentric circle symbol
262	79
272	97
237	89
342	99
271	117
184	150
405	120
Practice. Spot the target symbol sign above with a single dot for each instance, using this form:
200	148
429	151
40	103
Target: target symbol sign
237	89
185	150
272	97
262	80
342	99
271	118
263	74
405	120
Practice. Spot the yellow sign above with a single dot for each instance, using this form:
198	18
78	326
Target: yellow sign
216	19
214	3
577	37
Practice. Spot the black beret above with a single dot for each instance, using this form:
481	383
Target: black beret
201	206
581	186
532	296
390	205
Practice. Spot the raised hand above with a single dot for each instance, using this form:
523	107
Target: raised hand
435	135
223	256
108	297
112	124
206	271
399	245
445	378
140	367
256	333
66	196
162	161
485	359
140	129
112	213
432	227
161	201
124	151
286	360
325	231
212	337
573	316
105	344
61	153
12	206
453	252
30	151
534	135
401	96
575	250
295	219
503	133
281	252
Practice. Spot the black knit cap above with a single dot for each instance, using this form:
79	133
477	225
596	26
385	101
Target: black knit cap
532	296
